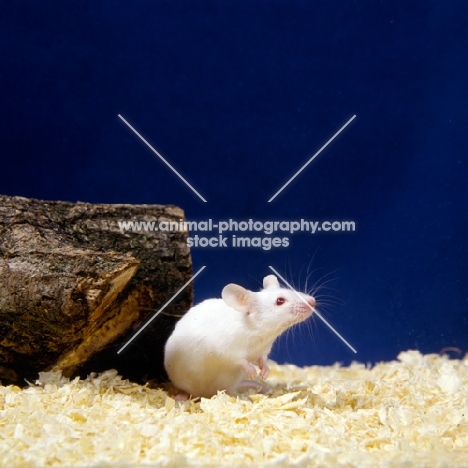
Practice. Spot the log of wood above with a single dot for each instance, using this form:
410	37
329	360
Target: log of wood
75	288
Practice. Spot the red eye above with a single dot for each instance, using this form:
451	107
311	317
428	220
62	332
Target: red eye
280	301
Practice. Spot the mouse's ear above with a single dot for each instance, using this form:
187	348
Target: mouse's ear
270	281
236	296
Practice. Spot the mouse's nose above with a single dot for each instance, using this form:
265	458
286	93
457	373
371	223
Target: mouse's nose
311	302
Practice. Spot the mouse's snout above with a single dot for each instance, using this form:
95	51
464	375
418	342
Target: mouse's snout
304	308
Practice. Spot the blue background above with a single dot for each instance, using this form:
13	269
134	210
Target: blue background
238	95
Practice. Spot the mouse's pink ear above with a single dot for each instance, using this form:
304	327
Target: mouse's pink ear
270	281
236	296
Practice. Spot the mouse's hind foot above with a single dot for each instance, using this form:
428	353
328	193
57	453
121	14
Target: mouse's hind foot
182	396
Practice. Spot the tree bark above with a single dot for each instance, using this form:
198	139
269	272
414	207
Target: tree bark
75	288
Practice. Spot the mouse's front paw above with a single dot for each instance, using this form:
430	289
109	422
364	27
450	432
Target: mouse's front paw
264	369
249	369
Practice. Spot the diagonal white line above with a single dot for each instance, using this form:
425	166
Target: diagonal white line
159	155
315	311
312	158
161	309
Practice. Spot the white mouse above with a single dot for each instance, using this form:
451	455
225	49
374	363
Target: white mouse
217	342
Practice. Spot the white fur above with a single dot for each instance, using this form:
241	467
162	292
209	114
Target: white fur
214	345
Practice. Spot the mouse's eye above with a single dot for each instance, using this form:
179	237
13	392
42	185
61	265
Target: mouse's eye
280	301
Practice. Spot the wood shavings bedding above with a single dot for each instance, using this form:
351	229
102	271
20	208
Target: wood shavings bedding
411	412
